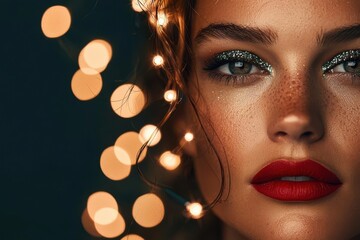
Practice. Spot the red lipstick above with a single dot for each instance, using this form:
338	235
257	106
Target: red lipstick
286	180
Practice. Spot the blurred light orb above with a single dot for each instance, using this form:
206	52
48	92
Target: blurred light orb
112	230
169	160
150	133
195	210
132	237
158	60
105	216
148	210
95	56
189	136
127	100
112	167
140	5
99	200
130	142
86	87
170	95
55	21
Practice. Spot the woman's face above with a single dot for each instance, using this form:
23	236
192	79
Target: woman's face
276	85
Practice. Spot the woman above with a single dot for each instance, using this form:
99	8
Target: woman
274	91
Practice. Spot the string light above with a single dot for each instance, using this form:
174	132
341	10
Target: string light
151	134
188	136
170	95
162	19
148	210
140	5
158	61
195	210
169	160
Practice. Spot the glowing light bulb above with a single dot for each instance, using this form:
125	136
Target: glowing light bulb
158	61
148	210
195	210
162	19
188	136
169	160
140	5
151	134
170	95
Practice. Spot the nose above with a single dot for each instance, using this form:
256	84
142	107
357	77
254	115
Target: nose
296	114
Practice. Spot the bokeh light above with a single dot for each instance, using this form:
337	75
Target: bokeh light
188	136
158	60
127	100
86	87
99	200
95	56
170	95
169	160
195	210
130	142
140	5
114	229
150	133
89	224
105	216
55	21
132	237
162	19
112	167
148	210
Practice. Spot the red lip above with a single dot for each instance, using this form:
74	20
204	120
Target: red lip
268	181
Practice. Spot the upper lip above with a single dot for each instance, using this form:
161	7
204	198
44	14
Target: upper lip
287	168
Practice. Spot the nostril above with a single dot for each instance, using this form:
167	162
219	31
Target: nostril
307	134
281	134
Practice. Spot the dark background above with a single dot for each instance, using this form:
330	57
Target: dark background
51	142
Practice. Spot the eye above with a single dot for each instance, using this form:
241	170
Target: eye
345	62
352	66
238	68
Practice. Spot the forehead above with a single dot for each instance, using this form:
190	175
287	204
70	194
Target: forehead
281	15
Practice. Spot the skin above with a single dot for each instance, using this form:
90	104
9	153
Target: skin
294	113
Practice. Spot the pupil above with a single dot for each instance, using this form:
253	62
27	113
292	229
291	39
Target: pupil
240	68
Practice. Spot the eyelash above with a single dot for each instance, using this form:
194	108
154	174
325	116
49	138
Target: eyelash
235	56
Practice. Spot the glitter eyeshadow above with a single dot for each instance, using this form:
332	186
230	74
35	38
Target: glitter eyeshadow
237	55
341	58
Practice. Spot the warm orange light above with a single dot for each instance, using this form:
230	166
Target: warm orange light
170	95
114	229
99	200
127	100
140	5
132	237
188	136
150	133
158	61
105	216
112	167
169	160
161	20
148	210
55	21
95	56
86	87
195	210
89	224
130	142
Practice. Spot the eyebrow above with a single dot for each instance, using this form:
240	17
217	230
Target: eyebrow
341	34
236	32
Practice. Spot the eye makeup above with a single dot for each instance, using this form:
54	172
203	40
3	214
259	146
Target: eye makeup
348	55
237	56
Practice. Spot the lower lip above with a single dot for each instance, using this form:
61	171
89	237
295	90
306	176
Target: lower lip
296	191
